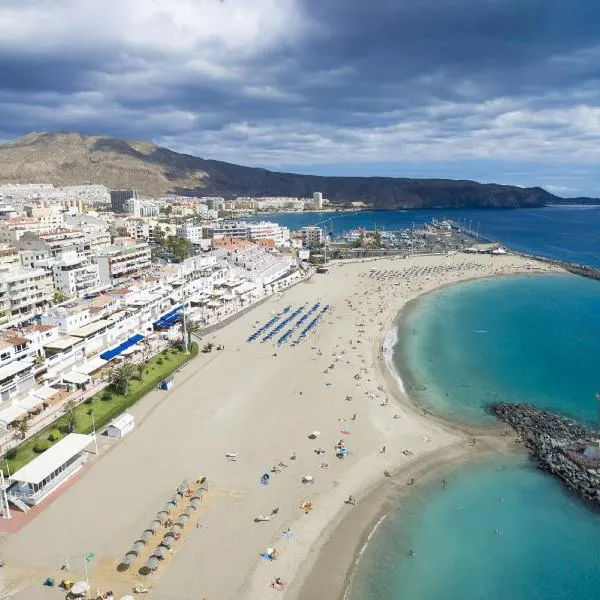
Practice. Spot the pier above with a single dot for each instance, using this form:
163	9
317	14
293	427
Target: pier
566	449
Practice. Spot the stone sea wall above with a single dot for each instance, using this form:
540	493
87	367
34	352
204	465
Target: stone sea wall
557	443
575	268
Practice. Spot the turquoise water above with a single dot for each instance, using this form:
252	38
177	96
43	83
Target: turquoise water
502	529
547	545
515	339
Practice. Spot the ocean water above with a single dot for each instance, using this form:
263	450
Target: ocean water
531	338
499	531
564	232
502	529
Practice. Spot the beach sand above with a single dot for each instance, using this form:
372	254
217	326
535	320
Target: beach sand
245	400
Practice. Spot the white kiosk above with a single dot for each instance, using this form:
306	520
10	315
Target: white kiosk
39	478
121	426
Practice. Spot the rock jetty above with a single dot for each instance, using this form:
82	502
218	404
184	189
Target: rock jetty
558	445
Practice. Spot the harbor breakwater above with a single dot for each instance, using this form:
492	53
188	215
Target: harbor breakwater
566	449
574	268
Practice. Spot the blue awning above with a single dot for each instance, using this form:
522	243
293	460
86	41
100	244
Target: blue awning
170	318
110	354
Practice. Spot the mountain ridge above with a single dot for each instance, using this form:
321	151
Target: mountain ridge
64	158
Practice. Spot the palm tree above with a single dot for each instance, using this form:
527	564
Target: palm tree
191	327
120	376
140	369
71	415
22	426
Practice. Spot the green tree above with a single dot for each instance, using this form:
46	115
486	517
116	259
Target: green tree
22	426
166	210
178	247
58	297
71	416
159	236
140	367
191	327
120	377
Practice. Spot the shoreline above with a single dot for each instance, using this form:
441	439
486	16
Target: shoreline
284	392
338	557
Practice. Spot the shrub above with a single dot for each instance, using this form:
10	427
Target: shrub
90	411
159	361
88	400
10	454
54	435
41	446
106	396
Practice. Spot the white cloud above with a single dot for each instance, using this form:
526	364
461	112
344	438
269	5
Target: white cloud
160	27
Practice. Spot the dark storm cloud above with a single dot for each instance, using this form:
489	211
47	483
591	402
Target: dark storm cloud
296	81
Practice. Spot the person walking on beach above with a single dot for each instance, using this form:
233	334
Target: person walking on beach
351	500
382	450
353	417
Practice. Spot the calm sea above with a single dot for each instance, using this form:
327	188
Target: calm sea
567	233
501	529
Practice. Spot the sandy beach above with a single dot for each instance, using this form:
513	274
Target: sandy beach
261	402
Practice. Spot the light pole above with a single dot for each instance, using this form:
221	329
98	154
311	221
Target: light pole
94	430
185	339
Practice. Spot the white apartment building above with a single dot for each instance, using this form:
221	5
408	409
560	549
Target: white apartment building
36	259
13	229
67	316
318	200
265	230
55	242
191	232
24	292
279	203
248	230
142	208
74	275
260	267
20	354
125	259
312	236
49	215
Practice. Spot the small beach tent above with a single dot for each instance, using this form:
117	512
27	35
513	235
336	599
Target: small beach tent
121	426
146	535
151	564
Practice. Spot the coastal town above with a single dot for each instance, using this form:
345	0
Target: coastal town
161	350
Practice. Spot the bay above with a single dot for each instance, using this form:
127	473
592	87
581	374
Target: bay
568	233
499	530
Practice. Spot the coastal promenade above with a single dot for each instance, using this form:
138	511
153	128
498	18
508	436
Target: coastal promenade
262	403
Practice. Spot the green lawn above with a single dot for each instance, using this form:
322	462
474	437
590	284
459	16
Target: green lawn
106	405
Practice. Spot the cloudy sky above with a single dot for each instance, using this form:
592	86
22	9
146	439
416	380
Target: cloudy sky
493	90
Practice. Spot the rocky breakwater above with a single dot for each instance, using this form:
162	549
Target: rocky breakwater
564	448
